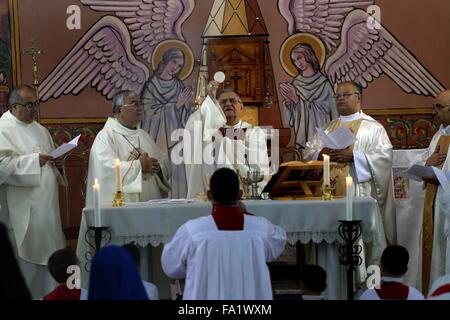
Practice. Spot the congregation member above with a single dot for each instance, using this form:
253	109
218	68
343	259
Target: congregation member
114	276
313	282
12	286
226	141
29	182
144	171
435	254
58	266
440	290
393	266
224	255
368	161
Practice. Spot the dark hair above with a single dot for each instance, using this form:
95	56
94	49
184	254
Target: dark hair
357	86
395	260
133	250
224	186
119	99
12	284
15	96
313	278
58	263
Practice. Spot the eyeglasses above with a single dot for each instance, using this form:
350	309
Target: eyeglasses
230	100
30	105
135	105
345	95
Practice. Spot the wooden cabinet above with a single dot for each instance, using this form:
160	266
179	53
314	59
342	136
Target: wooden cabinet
242	61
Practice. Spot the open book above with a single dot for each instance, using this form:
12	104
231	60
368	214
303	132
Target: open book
341	138
65	147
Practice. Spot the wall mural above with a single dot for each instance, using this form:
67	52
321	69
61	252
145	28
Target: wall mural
114	53
335	35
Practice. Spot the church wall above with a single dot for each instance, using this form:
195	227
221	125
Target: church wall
420	25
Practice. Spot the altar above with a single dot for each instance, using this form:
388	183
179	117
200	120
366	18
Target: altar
153	223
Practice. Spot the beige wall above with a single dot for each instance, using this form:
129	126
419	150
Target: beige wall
421	25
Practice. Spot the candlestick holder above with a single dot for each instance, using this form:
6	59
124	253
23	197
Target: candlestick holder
99	234
350	253
327	192
118	199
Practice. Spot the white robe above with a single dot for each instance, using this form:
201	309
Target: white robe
220	265
440	261
371	294
239	155
110	144
29	198
372	166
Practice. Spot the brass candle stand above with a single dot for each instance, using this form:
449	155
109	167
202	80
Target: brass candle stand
327	193
118	199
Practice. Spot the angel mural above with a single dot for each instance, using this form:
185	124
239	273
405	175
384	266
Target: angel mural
114	53
346	49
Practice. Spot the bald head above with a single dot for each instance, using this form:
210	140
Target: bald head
441	108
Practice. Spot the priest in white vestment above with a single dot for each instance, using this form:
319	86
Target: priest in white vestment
220	139
29	189
144	171
368	160
436	253
224	256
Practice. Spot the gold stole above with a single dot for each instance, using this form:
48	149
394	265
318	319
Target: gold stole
339	171
428	217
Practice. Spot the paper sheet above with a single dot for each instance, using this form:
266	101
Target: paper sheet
417	172
65	147
443	177
341	138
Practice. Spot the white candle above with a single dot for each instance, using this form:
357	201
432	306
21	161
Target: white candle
117	174
326	170
97	214
349	198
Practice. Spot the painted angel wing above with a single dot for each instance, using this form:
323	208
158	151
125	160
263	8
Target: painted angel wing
149	21
323	18
365	54
102	58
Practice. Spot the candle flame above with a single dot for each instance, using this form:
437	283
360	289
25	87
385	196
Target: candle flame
96	181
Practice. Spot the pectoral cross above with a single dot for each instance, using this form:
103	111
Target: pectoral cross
33	52
236	78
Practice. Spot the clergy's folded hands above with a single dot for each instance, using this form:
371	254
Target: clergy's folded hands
342	155
148	164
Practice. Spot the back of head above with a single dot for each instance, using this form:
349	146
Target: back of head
394	261
313	279
224	187
58	263
133	250
12	283
114	276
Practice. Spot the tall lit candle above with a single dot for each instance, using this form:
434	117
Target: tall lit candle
326	170
97	214
349	198
117	174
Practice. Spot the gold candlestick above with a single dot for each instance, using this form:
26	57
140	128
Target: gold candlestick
118	199
327	192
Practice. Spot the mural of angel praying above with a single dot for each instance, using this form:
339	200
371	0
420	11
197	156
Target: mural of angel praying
346	49
114	55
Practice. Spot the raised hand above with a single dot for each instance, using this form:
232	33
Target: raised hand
288	92
185	95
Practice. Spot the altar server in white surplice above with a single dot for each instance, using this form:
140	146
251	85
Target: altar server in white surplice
144	170
219	138
224	255
368	160
29	189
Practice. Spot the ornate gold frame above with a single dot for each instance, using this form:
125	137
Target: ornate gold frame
15	43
